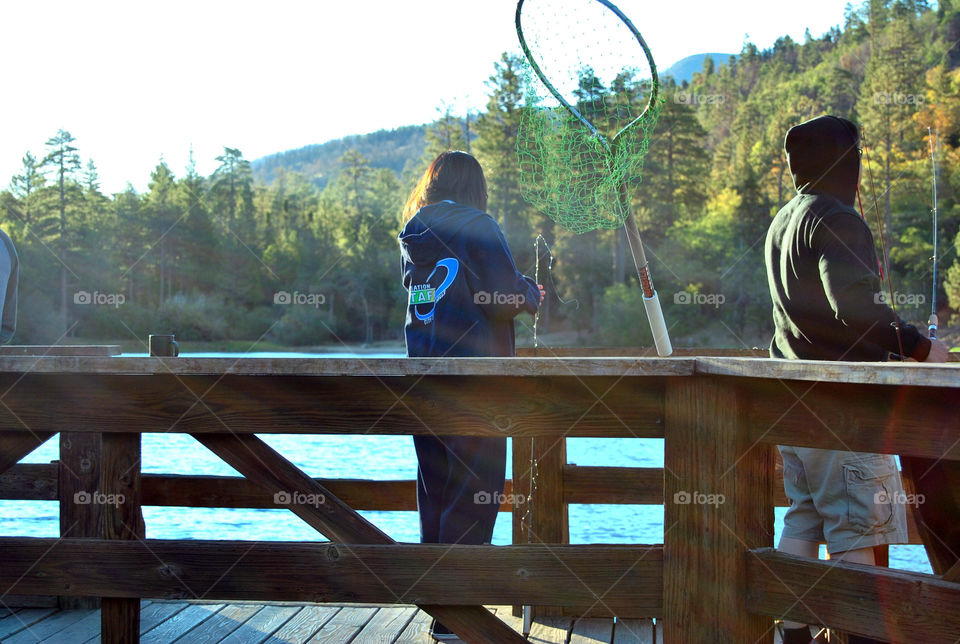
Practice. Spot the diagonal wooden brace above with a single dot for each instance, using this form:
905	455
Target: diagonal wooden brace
337	521
15	445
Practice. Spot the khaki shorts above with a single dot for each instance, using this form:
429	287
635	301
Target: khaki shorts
849	500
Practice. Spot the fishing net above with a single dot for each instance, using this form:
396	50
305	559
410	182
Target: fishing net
592	103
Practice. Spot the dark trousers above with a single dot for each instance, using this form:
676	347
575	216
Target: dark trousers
459	487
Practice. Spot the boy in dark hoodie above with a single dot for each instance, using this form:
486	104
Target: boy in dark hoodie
822	271
463	292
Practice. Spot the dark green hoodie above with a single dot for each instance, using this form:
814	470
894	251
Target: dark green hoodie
822	266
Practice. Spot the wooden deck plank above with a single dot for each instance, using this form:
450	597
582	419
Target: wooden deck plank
79	631
386	625
23	618
39	631
344	626
633	631
224	622
505	614
550	630
417	630
301	626
591	631
254	623
262	625
180	623
152	613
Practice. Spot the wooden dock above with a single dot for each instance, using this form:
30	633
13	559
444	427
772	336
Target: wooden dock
715	578
165	622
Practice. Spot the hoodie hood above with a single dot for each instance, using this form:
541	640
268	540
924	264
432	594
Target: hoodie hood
429	234
824	158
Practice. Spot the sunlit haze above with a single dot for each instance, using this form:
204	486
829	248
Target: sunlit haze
136	82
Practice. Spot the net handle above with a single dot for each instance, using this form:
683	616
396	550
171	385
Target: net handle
651	303
654	79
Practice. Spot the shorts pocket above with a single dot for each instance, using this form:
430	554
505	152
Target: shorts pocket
870	486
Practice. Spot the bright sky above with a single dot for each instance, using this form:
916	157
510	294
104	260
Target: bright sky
136	81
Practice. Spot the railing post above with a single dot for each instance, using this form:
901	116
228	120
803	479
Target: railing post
717	505
545	509
122	519
78	475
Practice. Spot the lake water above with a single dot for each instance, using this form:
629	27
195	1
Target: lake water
373	457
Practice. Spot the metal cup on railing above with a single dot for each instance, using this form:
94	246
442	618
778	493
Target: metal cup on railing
164	346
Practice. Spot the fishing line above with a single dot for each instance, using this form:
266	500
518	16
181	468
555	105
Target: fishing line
556	292
933	321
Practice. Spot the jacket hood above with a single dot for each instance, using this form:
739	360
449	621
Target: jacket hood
824	158
429	234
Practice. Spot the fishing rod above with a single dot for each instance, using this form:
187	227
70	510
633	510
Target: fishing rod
882	264
933	321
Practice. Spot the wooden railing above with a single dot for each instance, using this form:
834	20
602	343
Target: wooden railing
713	579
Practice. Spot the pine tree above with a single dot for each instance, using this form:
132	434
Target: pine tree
198	266
62	157
449	132
232	191
495	147
675	170
890	95
25	187
163	216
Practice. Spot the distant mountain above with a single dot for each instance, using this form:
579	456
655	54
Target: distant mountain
684	70
395	148
319	161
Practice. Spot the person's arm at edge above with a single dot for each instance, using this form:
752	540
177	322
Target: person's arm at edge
8	322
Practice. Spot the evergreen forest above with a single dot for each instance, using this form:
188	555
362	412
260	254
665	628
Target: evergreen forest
293	250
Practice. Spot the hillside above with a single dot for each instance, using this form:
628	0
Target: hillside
383	149
395	148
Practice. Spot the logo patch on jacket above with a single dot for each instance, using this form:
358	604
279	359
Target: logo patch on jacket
425	297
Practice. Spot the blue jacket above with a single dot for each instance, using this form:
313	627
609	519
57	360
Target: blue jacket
463	288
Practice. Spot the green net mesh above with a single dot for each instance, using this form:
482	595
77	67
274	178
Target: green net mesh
574	166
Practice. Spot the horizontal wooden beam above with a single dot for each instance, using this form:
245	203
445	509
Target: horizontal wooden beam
423	405
599	580
915	421
589	484
892	605
871	373
30	482
363	367
44	350
620	485
238	492
638	352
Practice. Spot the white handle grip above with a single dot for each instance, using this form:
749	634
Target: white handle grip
657	325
